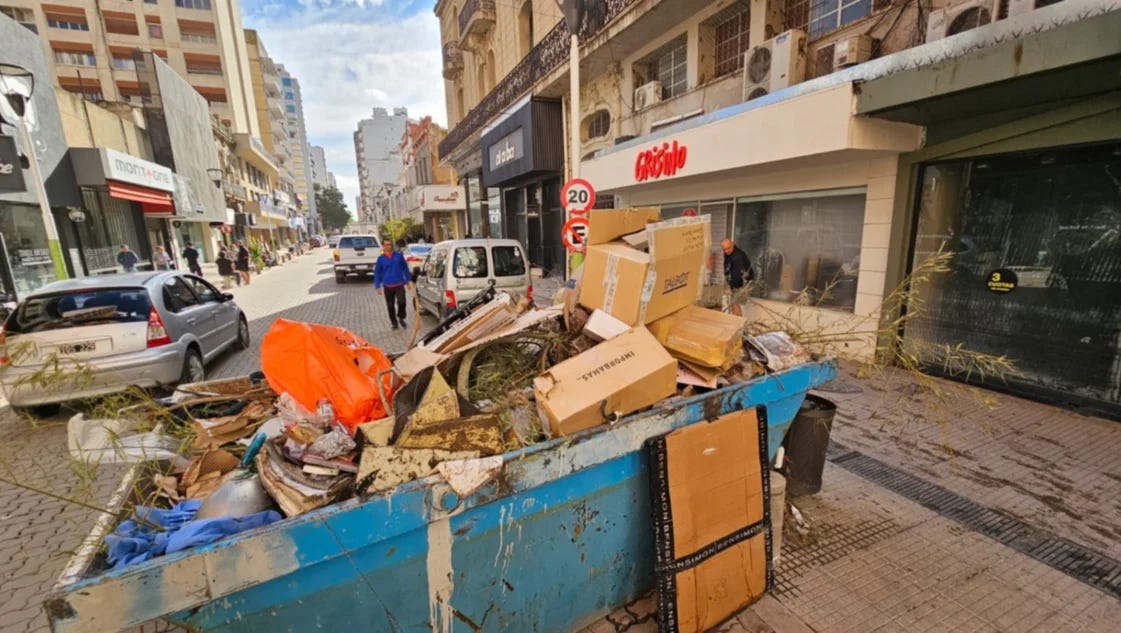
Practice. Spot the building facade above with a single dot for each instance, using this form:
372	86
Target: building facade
841	145
320	175
298	146
377	148
272	201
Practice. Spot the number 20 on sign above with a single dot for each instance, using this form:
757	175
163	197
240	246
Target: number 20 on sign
577	196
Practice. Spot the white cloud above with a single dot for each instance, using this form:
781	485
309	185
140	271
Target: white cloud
350	57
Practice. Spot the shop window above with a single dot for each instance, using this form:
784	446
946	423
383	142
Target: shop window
29	255
597	125
819	17
803	249
731	42
667	66
1035	272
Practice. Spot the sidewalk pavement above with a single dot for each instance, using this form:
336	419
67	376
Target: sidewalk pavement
963	512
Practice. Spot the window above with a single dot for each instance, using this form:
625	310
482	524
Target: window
155	31
203	5
178	295
803	249
24	16
206	293
358	242
597	125
121	26
667	66
508	261
290	108
435	265
199	38
525	28
151	1
819	17
123	63
289	96
470	262
68	23
204	67
731	42
286	81
78	309
71	58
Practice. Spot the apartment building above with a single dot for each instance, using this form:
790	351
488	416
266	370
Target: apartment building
272	200
429	192
320	175
377	148
841	145
297	143
90	46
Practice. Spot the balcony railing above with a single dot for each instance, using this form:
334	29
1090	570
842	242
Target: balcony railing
453	60
477	16
547	56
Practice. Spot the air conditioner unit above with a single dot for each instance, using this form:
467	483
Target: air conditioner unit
775	64
647	95
855	50
961	17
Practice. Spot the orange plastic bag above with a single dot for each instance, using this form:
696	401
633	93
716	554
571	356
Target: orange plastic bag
312	362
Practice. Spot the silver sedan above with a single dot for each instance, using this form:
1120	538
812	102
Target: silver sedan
94	336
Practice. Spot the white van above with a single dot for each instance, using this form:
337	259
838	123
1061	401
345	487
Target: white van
457	270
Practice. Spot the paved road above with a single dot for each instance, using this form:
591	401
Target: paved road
877	559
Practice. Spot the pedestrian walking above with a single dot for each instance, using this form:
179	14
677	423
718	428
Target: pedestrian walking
226	269
160	259
737	274
391	277
242	263
191	254
127	259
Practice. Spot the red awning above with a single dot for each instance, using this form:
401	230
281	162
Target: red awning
151	200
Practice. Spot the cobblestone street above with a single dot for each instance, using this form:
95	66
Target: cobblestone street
948	514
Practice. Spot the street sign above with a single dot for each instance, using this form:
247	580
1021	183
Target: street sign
574	233
689	213
577	196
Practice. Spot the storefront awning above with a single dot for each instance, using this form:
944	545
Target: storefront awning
151	200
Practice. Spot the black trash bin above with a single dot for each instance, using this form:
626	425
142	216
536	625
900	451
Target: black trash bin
806	443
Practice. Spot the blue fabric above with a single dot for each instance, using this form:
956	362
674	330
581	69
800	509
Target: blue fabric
134	542
392	270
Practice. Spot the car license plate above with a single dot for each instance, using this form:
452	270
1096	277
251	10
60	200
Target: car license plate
362	267
77	348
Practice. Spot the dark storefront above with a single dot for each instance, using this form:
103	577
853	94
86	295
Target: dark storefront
1036	268
523	156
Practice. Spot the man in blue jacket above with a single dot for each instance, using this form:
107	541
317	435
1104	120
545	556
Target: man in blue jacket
391	273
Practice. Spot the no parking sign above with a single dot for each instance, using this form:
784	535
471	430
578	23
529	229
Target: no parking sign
574	234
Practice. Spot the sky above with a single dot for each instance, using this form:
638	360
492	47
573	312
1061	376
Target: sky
349	57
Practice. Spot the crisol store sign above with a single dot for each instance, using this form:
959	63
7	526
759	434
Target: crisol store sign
660	161
135	171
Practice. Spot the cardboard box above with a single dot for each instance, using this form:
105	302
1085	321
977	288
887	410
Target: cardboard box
620	376
637	287
709	338
711	520
601	326
608	225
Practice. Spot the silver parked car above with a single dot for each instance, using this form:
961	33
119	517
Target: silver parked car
88	337
457	270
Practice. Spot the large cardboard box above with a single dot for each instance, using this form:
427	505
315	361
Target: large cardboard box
709	488
619	376
638	287
709	338
608	225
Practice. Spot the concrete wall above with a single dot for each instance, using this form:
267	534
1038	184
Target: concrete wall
21	47
89	124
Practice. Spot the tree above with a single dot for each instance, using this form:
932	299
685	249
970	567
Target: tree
332	210
396	229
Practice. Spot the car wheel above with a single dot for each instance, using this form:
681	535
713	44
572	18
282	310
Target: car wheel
243	340
193	370
39	411
340	278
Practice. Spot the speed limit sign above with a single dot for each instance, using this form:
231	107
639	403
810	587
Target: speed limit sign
574	233
577	196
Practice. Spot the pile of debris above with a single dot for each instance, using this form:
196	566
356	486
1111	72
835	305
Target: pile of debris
338	418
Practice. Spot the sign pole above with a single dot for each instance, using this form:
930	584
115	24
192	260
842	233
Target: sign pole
53	243
573	17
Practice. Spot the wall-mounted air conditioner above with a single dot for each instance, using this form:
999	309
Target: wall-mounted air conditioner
775	64
647	95
852	51
961	17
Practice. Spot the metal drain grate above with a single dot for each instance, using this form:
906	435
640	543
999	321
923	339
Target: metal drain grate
1078	562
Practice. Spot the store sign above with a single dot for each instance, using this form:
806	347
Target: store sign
441	198
11	172
507	149
135	171
1002	281
659	161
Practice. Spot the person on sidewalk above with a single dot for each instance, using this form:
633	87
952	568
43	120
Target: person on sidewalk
391	273
243	262
225	268
160	259
191	254
127	259
737	273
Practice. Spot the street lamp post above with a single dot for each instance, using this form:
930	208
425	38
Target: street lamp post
16	86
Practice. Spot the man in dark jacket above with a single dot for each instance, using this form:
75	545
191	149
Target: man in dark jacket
242	263
737	272
191	254
391	273
127	259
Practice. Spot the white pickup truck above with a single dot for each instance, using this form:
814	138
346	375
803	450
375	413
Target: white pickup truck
356	254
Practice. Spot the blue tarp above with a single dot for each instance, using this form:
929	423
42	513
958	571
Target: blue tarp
136	541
